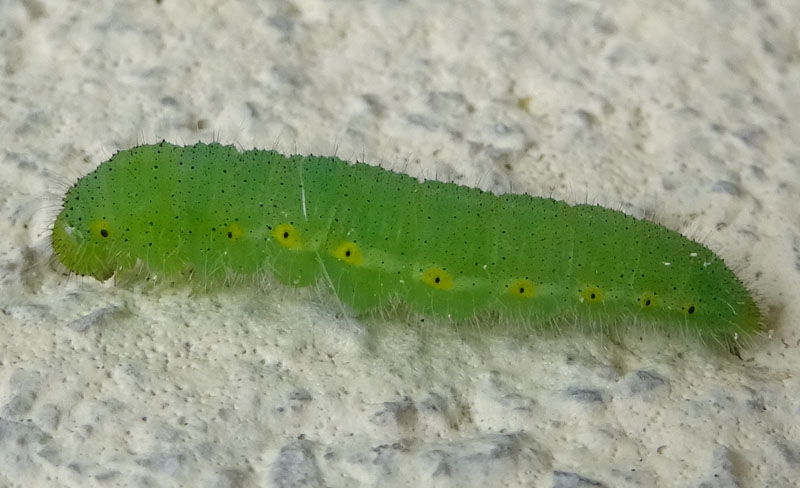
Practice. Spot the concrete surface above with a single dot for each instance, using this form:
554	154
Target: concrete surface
686	111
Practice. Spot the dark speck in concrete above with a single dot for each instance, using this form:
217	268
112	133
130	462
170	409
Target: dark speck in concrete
644	381
722	470
475	456
296	466
563	479
751	134
373	101
97	317
282	24
230	478
791	454
587	118
450	103
174	464
300	395
21	434
585	395
386	456
422	120
106	475
757	404
169	101
724	186
402	412
19	404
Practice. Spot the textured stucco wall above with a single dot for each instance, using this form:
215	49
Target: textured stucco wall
686	111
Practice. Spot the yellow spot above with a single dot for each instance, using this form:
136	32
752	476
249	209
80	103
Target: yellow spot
438	278
235	232
647	300
349	253
100	228
592	294
522	288
287	236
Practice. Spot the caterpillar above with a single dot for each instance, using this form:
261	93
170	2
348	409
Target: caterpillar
207	212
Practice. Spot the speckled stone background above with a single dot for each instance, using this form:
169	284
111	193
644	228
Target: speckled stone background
685	110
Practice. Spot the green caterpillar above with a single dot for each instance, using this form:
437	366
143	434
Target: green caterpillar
209	212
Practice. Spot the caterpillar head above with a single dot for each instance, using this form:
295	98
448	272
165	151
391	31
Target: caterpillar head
82	242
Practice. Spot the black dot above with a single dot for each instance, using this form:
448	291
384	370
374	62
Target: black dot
230	235
522	291
691	309
286	235
647	302
347	253
592	296
437	279
104	232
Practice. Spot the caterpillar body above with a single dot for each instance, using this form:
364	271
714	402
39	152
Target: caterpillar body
207	212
